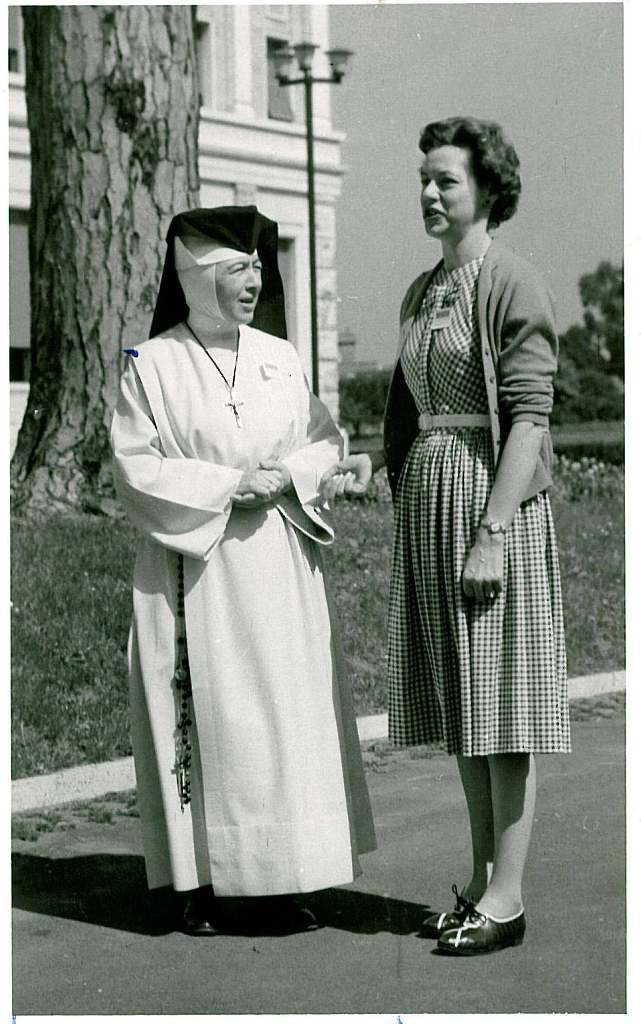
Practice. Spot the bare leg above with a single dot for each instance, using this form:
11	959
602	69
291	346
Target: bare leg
513	783
475	776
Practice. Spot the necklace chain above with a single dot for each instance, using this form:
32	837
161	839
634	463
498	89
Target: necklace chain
233	403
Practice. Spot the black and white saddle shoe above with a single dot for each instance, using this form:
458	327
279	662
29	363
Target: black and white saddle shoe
479	933
434	925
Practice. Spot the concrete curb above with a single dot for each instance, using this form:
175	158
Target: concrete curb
89	781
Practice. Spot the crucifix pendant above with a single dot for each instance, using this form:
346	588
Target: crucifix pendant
233	404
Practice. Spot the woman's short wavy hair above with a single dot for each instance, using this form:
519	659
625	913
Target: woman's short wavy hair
495	164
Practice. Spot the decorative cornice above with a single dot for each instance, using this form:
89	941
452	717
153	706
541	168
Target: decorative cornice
270	125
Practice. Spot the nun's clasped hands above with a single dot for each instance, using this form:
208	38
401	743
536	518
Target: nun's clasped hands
261	485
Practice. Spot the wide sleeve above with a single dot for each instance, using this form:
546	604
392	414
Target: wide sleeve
528	349
181	503
320	445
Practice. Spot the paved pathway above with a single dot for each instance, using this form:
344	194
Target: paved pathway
88	939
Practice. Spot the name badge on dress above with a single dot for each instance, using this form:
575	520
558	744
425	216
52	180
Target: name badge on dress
269	371
441	318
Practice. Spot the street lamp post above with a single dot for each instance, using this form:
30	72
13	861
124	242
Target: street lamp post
337	58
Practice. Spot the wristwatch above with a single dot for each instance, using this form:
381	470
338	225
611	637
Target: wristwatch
493	526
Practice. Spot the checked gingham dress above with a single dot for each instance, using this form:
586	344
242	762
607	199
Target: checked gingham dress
485	677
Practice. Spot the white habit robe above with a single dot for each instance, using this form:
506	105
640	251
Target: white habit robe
279	802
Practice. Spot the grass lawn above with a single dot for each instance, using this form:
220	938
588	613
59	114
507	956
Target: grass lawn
71	609
70	617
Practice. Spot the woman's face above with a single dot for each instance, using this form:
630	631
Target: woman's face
238	284
451	200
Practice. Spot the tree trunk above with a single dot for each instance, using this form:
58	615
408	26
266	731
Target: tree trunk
112	101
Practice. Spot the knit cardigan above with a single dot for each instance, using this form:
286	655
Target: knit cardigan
519	349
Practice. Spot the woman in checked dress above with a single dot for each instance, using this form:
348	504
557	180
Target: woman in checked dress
476	653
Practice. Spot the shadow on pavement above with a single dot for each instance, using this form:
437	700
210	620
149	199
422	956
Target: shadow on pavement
111	890
365	913
104	889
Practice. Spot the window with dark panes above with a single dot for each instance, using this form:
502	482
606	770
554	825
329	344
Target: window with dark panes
19	305
15	39
202	35
287	268
278	101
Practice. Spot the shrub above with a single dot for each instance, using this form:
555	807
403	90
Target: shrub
362	398
574	480
578	479
611	453
586	393
589	384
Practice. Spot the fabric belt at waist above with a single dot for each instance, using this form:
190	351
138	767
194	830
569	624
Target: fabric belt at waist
427	422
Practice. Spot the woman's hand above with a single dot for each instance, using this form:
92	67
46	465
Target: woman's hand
351	476
483	573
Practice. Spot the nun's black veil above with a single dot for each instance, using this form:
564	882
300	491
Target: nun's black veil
238	227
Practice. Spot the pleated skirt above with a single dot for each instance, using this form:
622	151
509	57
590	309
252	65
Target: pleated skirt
484	677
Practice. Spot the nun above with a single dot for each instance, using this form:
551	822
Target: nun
249	775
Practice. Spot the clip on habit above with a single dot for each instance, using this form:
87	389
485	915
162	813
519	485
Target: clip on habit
131	352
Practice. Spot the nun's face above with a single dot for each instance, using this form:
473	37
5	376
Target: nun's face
238	284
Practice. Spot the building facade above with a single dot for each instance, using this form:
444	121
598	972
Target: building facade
252	149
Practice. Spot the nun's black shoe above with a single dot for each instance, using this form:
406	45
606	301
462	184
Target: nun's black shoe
479	933
434	925
199	916
288	917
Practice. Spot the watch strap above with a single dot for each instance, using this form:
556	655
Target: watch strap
493	526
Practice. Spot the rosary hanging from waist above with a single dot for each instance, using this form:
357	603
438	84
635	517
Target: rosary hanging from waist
182	682
233	402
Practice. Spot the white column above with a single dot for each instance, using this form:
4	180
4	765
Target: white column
243	61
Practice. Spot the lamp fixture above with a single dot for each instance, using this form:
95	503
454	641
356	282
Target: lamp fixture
338	61
305	55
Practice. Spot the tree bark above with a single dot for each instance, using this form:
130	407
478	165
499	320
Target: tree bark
112	102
